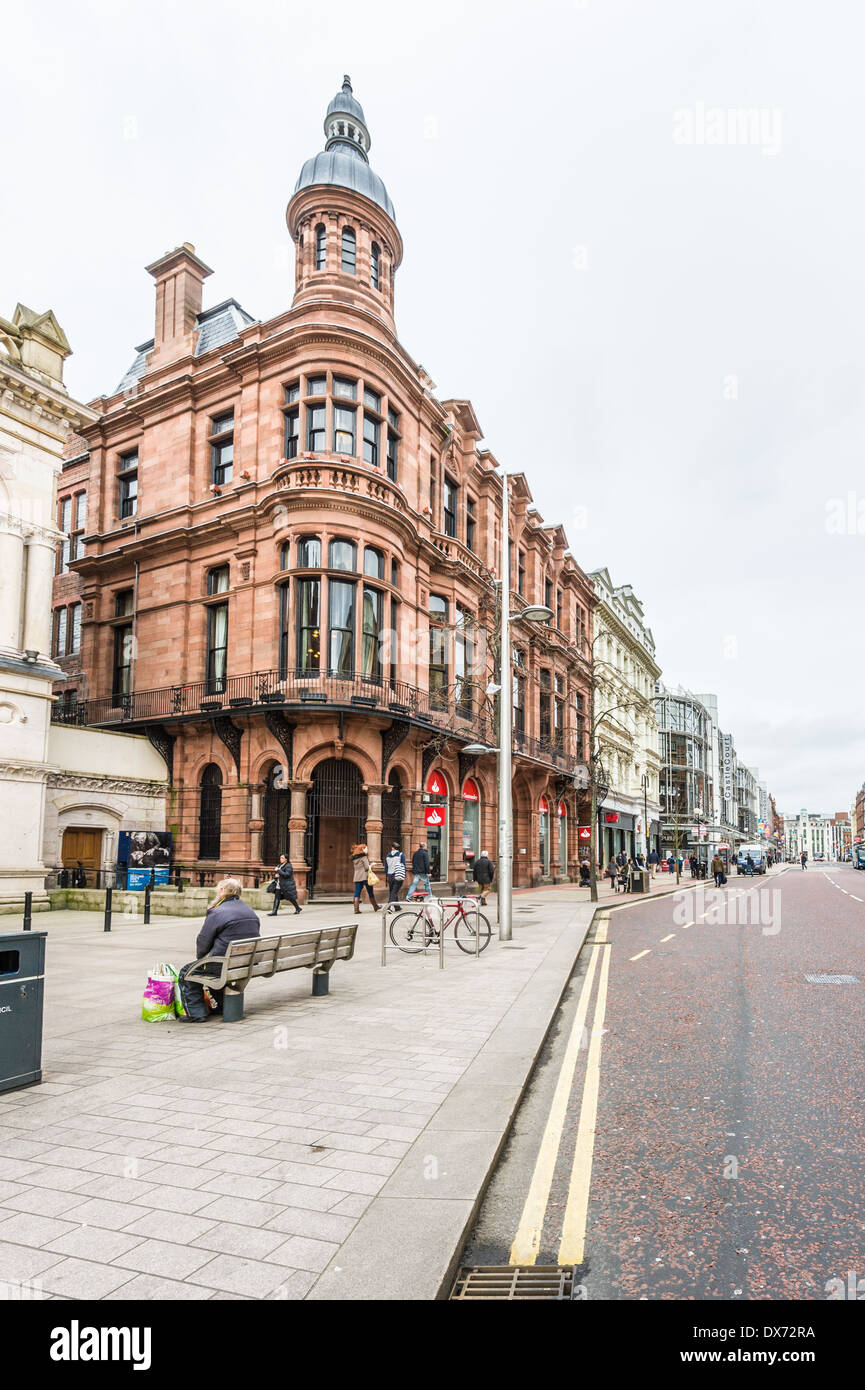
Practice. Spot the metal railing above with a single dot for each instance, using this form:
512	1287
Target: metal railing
64	876
459	708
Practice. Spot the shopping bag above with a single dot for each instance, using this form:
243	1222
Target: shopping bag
157	1004
372	879
193	1006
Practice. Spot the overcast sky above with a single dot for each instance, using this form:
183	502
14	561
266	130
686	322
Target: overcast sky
656	313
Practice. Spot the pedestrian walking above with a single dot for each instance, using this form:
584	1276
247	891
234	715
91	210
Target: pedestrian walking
654	860
613	875
395	872
286	888
749	867
804	858
718	870
363	877
420	869
484	871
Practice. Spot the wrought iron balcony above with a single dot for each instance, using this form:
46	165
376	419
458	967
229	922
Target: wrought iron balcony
459	709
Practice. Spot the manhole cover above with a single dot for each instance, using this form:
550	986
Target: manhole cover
515	1281
832	979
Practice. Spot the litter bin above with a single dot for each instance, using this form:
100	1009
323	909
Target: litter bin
639	880
22	977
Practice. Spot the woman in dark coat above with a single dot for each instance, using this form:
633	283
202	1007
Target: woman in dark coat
285	886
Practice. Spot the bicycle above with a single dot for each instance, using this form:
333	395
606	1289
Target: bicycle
408	935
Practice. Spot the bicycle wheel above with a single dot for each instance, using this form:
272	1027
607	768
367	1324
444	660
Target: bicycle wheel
464	932
409	929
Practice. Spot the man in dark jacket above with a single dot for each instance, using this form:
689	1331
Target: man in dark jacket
228	919
484	871
420	869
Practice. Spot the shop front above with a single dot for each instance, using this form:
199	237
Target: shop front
437	824
471	824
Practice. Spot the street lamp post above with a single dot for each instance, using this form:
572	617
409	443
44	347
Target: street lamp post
645	784
533	613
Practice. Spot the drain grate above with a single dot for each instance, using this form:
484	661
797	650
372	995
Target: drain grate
515	1281
832	979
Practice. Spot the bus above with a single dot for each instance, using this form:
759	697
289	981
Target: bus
859	856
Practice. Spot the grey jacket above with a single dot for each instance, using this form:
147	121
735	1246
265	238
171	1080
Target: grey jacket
233	920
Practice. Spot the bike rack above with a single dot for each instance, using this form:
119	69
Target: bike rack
439	904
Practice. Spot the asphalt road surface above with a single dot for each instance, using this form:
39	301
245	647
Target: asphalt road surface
694	1126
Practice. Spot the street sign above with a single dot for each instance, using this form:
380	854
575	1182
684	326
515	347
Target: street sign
434	815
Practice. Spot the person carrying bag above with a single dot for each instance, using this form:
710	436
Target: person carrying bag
284	887
363	877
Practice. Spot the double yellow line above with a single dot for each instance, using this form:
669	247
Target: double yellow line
527	1240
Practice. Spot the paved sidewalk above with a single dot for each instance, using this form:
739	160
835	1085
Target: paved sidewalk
324	1148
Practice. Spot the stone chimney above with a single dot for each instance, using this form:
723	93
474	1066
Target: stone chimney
179	276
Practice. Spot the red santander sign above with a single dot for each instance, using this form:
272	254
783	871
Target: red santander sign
434	815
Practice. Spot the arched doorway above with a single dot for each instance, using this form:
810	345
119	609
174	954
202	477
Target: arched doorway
277	809
210	813
391	813
335	820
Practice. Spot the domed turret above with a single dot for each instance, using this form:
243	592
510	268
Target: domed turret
341	216
343	161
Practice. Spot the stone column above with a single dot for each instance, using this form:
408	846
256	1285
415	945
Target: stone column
41	554
373	826
407	825
11	585
297	833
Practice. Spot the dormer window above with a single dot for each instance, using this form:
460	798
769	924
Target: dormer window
349	251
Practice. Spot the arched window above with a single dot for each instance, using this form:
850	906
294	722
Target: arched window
342	555
375	253
320	246
373	563
308	553
349	250
210	814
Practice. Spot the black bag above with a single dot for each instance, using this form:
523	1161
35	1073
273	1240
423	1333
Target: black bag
723	879
192	996
271	887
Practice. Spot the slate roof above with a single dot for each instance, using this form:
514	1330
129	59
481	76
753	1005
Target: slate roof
216	327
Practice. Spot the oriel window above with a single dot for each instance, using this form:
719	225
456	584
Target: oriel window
308	553
316	428
309	626
283	630
371	432
292	434
343	555
343	429
341	594
371	646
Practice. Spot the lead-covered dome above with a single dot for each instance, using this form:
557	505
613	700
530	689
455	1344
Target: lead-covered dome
343	162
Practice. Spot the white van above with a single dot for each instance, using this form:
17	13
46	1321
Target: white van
757	853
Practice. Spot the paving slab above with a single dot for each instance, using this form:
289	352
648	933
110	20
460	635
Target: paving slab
322	1148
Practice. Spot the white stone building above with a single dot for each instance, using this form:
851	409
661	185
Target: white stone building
36	786
627	731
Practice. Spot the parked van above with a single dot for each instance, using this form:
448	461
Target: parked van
757	853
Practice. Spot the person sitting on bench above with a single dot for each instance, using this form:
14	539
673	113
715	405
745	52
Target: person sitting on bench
227	919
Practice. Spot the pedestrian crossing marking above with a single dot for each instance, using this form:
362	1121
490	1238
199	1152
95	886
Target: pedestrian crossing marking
527	1240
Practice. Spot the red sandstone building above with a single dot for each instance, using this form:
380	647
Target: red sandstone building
289	579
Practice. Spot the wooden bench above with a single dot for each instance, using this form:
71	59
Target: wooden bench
270	955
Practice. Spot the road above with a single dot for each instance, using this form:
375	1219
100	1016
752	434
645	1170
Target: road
694	1127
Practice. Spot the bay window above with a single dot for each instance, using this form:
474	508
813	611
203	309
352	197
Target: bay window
341	596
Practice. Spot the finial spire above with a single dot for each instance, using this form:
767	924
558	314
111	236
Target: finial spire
346	84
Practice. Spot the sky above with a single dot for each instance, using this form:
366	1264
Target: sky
633	239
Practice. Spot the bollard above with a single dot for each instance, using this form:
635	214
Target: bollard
147	905
153	877
107	922
178	881
28	910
